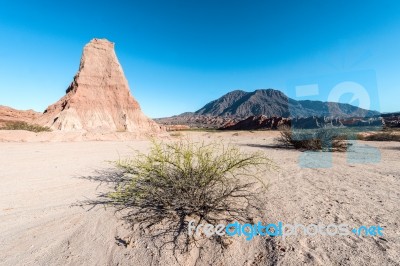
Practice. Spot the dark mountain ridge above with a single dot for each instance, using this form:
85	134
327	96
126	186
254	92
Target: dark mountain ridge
270	102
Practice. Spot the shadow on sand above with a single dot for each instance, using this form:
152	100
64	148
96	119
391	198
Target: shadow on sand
397	148
163	234
269	146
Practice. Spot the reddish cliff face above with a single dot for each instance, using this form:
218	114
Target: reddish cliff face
98	98
8	115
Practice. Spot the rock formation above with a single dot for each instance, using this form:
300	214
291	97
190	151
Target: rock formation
98	99
392	120
312	122
196	121
8	114
258	122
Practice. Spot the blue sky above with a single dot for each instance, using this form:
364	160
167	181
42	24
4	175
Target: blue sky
179	55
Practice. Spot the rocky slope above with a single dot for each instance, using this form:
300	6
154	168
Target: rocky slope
264	122
8	114
261	109
196	121
258	122
392	120
98	98
275	103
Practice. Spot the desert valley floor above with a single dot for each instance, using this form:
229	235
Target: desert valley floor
41	183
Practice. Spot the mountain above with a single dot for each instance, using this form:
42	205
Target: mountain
271	103
98	98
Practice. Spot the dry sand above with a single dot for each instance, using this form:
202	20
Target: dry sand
41	182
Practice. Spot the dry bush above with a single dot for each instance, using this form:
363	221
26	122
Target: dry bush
24	126
380	136
325	139
176	134
182	181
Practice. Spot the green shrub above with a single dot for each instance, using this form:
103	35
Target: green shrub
183	181
325	139
24	126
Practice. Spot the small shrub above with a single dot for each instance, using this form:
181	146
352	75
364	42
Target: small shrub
380	136
176	134
320	139
183	181
25	126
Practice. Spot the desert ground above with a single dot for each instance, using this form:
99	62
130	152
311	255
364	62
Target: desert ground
41	222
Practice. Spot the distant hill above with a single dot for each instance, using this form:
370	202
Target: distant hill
395	114
270	102
8	114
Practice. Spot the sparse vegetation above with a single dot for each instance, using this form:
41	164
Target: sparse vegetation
325	139
380	136
24	126
176	134
183	181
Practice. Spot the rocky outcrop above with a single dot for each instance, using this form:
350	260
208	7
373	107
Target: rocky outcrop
8	114
98	99
264	122
197	121
392	120
258	122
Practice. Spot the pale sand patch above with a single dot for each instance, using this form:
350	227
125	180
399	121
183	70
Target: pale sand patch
40	183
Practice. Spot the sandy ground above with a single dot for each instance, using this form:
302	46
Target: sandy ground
41	182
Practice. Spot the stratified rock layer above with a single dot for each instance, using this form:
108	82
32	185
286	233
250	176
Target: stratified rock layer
98	98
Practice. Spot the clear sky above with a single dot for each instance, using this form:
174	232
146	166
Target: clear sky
179	55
